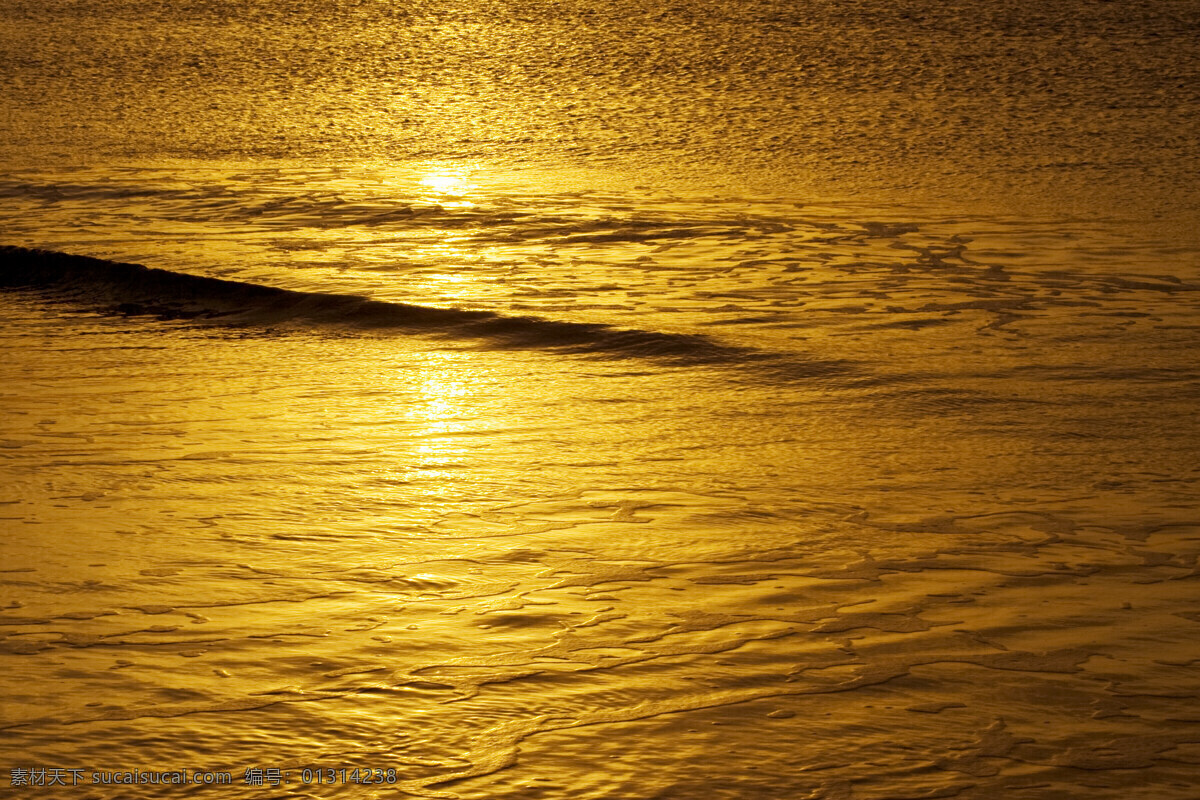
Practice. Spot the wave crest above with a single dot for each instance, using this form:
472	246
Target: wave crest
134	289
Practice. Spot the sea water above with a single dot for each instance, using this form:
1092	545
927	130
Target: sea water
578	400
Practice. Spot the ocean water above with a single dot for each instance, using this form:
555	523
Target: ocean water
600	401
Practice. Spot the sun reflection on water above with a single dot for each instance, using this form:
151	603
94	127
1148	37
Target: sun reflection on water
447	188
438	413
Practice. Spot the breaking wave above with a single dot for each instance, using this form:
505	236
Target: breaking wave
134	290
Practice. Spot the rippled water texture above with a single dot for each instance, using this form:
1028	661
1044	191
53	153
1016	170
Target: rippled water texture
604	402
1076	105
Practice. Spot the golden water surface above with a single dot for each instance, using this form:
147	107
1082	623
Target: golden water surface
757	400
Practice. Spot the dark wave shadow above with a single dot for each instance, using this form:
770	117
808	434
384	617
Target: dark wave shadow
119	288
